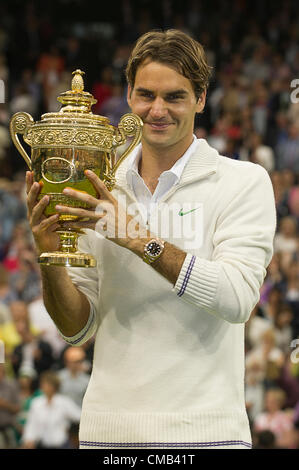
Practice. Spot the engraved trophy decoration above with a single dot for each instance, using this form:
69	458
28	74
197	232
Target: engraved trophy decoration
65	144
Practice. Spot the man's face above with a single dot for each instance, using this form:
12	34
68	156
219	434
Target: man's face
165	101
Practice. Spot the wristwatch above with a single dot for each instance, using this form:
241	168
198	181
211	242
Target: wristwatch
153	250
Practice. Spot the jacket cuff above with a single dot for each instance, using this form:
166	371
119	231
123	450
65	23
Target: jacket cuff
83	335
197	282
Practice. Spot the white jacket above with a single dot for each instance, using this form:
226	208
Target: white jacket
169	360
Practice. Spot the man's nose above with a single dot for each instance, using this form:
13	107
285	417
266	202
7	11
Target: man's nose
158	108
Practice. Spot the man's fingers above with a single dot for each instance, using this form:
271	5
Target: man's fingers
98	185
78	212
32	196
50	223
38	210
80	196
29	180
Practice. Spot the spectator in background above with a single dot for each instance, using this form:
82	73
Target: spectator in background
43	323
73	378
285	241
25	281
274	418
102	89
7	294
266	359
288	151
116	105
272	304
32	352
49	68
283	329
28	390
8	330
264	440
9	407
256	326
50	417
11	212
260	153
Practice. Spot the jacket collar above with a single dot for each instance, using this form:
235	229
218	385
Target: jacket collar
203	162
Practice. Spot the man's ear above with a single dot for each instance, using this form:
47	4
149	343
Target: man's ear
129	92
201	102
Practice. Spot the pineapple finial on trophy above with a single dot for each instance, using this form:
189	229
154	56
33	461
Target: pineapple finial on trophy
77	81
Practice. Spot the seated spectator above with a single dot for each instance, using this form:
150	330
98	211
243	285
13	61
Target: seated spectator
43	323
11	211
256	326
272	305
264	440
26	280
50	417
288	151
7	295
32	352
288	381
292	282
9	407
73	378
285	238
28	390
274	418
266	358
9	330
283	328
261	153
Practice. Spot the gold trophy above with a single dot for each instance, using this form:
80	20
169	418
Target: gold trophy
65	144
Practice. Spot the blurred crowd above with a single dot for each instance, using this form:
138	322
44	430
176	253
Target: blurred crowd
252	114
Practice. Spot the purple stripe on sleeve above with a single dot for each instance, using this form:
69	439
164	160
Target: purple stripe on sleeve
187	276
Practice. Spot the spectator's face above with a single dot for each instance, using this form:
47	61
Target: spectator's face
272	402
166	102
47	388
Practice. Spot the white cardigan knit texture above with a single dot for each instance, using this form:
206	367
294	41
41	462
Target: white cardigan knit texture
168	369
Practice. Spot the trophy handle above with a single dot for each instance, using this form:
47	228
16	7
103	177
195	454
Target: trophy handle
129	125
18	125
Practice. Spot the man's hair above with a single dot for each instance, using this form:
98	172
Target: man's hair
175	49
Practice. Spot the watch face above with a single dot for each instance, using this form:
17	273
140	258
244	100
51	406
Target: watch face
154	248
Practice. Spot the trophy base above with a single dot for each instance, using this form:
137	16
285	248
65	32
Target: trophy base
73	260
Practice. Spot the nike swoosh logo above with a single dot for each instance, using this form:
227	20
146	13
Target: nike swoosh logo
187	212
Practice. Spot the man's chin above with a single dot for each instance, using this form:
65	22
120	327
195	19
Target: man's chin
157	140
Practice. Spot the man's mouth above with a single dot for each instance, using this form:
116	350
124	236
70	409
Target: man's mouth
158	126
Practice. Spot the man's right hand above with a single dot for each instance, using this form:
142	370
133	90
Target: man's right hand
43	228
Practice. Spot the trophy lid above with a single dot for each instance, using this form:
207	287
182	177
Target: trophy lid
76	104
76	99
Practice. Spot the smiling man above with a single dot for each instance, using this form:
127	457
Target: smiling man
167	312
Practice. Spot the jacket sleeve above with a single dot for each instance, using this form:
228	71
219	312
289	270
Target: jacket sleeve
228	285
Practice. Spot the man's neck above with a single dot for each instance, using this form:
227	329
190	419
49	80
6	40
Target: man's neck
155	160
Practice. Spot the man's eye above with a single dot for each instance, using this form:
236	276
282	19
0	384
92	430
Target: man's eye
173	97
146	95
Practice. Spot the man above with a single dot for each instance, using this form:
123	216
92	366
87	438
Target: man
168	314
73	378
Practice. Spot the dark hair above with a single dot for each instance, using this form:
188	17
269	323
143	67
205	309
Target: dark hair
51	378
173	48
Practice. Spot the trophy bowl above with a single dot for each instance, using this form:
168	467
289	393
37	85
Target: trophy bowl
65	144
